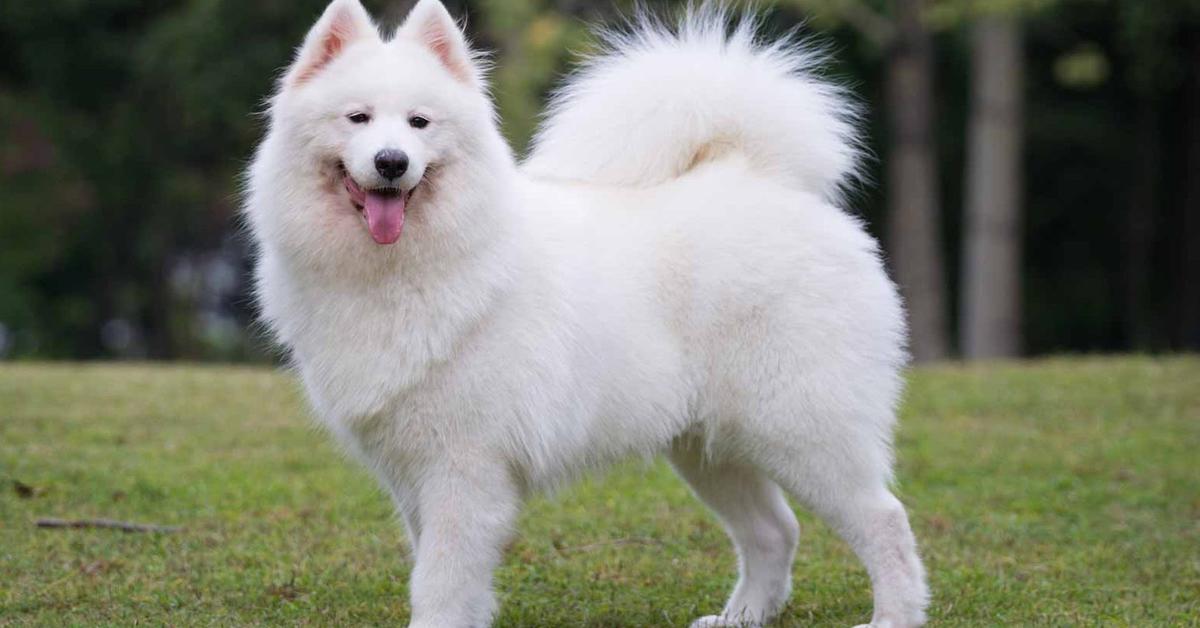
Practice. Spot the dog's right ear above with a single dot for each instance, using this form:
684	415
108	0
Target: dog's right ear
343	23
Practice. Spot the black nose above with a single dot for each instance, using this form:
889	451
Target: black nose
391	163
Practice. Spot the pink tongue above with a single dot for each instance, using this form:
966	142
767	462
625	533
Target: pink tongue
385	216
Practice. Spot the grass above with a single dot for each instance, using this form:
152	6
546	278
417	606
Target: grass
1060	492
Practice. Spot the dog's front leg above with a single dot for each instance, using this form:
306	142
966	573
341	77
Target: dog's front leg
467	514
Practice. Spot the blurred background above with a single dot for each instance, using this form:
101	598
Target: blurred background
1035	175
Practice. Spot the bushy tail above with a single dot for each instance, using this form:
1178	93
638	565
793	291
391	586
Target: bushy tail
658	101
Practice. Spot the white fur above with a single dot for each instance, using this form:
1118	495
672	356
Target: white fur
668	273
714	91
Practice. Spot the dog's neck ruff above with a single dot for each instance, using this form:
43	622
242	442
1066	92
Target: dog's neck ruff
360	344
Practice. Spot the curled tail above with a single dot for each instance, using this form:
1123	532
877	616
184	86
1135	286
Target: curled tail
659	101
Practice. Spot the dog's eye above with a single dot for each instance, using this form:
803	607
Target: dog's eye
418	122
359	117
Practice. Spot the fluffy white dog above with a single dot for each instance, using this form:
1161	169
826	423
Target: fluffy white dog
669	271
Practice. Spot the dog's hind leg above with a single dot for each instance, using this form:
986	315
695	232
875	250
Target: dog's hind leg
851	494
759	521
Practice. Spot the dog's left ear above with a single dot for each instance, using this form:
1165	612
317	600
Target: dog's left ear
430	24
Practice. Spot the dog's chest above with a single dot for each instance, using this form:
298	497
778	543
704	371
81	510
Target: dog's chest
359	353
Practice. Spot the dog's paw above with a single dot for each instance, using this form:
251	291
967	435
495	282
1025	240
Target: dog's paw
721	621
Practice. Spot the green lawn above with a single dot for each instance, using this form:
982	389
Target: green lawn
1053	492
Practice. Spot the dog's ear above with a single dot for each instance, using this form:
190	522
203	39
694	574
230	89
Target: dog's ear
343	23
430	24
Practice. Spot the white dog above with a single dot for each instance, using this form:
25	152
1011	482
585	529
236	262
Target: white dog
669	271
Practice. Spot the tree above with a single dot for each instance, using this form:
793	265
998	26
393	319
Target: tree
989	324
1187	283
914	210
914	238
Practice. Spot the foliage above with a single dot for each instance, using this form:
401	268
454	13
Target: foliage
124	126
1057	492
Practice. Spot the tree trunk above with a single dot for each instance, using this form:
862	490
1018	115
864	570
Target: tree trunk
1140	218
991	257
914	230
1188	272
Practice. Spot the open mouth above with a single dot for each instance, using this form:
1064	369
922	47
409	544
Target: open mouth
382	207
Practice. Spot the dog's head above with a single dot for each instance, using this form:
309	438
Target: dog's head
364	131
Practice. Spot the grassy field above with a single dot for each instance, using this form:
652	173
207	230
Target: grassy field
1048	493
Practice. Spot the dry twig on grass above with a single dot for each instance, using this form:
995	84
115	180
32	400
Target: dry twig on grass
124	526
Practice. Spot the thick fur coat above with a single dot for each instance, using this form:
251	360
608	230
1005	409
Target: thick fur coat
668	272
